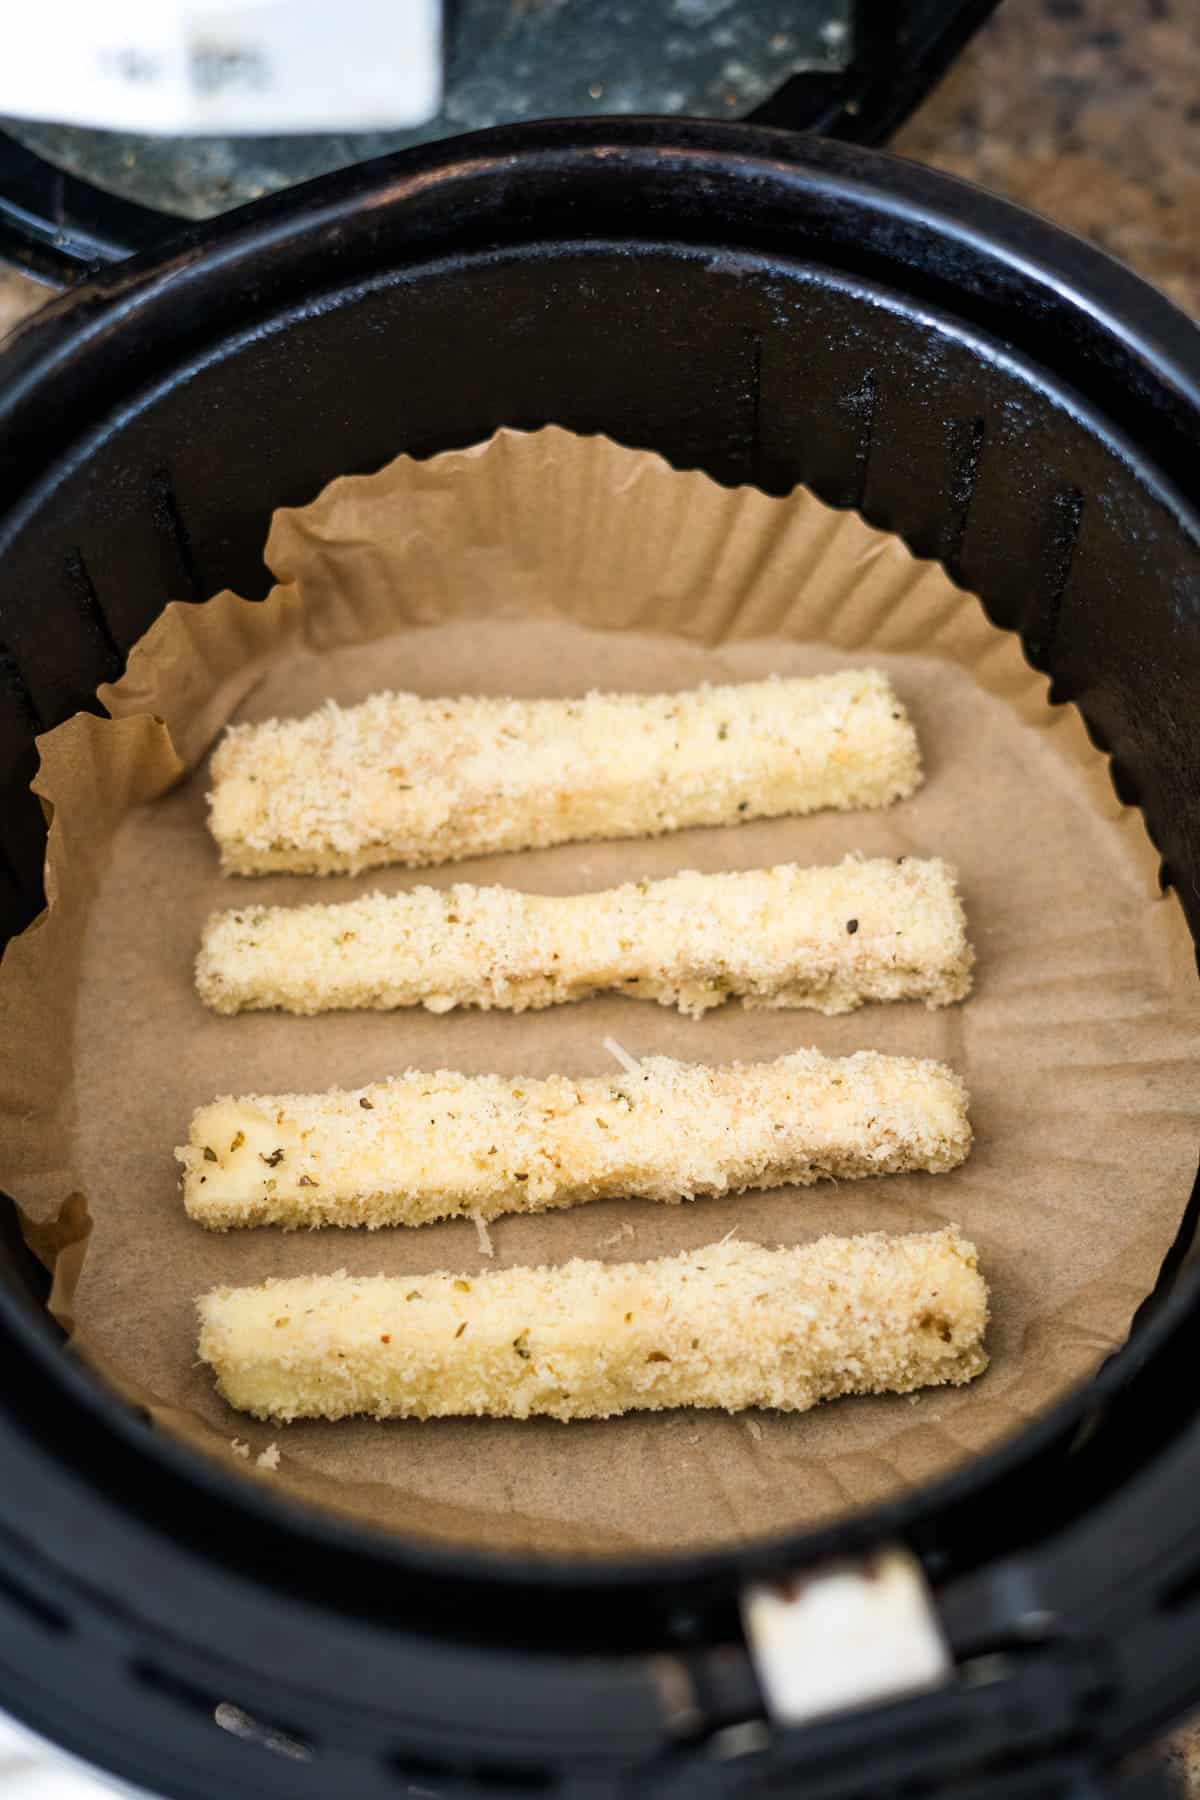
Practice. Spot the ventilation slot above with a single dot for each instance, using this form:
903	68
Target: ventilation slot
15	686
423	1778
1182	1593
494	1779
82	592
169	523
753	454
34	1606
859	407
1041	625
966	437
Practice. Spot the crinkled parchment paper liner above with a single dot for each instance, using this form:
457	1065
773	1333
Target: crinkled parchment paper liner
547	564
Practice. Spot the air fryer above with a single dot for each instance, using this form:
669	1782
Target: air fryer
773	310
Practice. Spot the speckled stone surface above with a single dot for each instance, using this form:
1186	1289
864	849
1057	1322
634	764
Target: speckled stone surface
1088	111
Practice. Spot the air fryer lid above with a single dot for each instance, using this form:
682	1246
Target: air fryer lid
1003	398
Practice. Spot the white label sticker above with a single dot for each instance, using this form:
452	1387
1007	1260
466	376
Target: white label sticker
227	67
845	1635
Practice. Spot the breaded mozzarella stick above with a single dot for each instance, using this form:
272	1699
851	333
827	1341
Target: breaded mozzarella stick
401	779
788	936
422	1147
733	1325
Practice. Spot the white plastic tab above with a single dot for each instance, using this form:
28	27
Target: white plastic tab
228	67
846	1635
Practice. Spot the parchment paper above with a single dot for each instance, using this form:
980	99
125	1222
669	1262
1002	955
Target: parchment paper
546	564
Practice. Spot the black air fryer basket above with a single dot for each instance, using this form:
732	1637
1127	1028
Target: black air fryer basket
774	311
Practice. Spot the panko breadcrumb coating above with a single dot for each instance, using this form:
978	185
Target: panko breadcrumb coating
425	1146
827	938
402	779
733	1325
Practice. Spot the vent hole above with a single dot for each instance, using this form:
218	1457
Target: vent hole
1041	627
859	406
492	1778
82	589
33	1605
422	1779
425	1779
14	684
169	520
965	443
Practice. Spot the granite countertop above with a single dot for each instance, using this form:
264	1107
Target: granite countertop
1088	111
